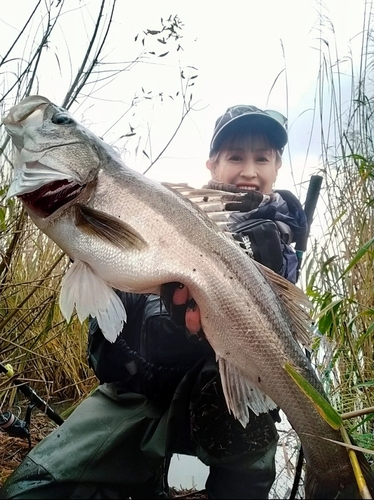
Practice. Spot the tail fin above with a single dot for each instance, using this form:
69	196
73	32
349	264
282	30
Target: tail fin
367	472
339	484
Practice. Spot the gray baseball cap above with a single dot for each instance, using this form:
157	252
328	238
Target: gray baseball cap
272	123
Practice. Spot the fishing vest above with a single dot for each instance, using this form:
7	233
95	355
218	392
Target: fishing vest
268	232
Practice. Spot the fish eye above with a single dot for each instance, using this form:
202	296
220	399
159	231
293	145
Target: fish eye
62	119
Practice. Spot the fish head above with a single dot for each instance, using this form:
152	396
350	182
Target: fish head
56	160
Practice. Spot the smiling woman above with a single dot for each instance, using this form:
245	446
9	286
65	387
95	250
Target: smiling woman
137	236
141	110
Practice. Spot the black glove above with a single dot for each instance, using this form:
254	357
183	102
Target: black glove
240	200
247	202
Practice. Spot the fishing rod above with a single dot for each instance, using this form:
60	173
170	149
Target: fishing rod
21	428
310	204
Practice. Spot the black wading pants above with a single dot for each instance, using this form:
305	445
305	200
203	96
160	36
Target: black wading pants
119	446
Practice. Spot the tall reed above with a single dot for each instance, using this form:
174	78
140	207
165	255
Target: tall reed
34	337
340	266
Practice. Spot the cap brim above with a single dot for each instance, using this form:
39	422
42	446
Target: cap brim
255	121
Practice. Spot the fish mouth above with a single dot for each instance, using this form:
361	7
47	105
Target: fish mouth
49	198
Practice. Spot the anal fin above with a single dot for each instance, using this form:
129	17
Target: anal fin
241	393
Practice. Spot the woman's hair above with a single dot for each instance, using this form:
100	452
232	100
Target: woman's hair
245	139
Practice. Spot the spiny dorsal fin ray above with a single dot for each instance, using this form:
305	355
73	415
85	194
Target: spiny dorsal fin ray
108	228
207	199
211	201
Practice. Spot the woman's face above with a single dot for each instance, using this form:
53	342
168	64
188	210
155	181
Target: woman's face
248	163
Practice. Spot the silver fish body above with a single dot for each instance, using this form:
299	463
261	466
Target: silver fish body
125	231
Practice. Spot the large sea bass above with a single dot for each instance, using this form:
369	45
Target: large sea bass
125	231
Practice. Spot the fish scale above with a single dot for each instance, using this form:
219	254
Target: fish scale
125	231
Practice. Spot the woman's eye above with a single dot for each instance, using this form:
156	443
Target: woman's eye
262	159
235	158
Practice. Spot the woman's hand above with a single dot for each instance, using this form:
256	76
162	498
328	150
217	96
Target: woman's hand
182	296
182	307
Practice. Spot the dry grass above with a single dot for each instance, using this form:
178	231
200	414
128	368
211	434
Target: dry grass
188	494
339	269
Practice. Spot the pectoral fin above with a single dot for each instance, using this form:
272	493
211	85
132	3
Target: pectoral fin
91	296
108	228
242	393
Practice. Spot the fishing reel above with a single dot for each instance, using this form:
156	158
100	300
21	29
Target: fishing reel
15	426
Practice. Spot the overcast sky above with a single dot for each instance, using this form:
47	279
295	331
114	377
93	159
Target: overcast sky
265	53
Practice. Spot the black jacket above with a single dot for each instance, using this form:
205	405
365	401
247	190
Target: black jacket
151	355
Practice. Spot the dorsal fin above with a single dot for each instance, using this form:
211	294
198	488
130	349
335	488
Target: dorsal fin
211	201
296	303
